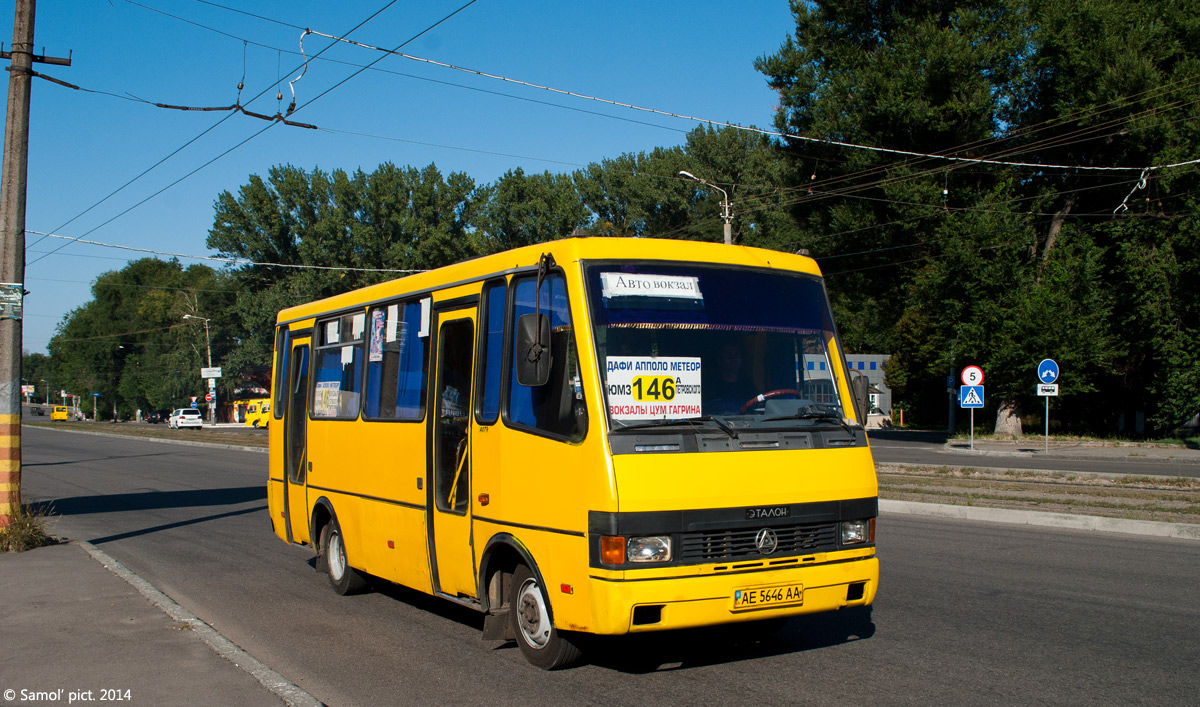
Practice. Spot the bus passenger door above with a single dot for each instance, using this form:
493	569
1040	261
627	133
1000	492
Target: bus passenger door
450	541
295	497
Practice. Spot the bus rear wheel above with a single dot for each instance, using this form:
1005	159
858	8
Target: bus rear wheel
342	577
540	642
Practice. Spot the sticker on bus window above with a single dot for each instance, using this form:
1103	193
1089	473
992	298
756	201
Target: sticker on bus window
621	284
644	387
328	395
376	350
393	318
425	306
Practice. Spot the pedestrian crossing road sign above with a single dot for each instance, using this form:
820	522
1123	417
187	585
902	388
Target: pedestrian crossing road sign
970	396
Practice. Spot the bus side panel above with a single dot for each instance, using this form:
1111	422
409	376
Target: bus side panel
370	472
540	491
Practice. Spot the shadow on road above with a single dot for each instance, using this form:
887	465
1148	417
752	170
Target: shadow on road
111	457
179	524
897	434
79	505
696	648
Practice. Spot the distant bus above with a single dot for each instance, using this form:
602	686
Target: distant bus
590	436
60	412
258	412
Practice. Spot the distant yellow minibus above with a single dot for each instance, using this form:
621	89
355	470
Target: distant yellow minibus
589	436
258	412
60	412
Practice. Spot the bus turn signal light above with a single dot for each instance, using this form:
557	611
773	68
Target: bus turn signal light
612	549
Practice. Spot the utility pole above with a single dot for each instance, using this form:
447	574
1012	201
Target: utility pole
12	252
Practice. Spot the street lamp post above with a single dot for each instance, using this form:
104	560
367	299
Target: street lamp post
208	349
726	214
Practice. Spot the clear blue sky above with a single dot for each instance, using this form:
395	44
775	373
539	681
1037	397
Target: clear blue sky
685	56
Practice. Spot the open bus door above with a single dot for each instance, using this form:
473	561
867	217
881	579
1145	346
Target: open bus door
295	496
450	540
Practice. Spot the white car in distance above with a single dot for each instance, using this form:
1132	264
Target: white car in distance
185	417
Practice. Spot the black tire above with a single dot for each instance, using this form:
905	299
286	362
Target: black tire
542	644
342	577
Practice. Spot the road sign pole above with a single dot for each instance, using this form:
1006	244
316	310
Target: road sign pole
972	429
1047	375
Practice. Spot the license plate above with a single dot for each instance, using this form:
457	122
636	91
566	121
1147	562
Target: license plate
768	597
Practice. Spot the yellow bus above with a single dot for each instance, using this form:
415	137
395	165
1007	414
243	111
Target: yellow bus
60	412
589	436
258	412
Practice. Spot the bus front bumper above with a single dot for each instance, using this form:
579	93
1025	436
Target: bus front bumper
634	604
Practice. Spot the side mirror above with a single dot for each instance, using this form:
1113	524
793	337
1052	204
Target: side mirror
862	396
533	349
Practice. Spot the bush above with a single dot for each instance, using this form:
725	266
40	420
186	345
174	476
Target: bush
26	530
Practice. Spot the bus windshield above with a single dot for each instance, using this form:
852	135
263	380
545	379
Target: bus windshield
741	347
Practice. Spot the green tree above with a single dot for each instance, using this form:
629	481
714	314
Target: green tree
948	263
131	344
312	235
522	209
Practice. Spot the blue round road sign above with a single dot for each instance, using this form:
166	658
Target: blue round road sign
1047	371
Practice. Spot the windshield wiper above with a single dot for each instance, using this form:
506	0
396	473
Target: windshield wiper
811	414
672	421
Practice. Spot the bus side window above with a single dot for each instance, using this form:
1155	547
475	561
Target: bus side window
490	351
282	346
338	364
558	406
397	363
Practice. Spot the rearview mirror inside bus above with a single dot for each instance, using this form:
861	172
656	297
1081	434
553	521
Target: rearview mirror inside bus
533	349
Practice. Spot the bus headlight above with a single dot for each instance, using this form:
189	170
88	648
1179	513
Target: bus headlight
856	532
653	548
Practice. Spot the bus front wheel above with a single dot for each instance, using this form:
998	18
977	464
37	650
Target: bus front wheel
542	644
344	578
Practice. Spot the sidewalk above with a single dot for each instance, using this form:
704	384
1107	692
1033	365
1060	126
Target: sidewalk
71	625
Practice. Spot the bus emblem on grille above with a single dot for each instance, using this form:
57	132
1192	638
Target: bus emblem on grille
766	541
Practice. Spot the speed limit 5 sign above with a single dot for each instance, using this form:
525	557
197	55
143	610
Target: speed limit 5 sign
972	375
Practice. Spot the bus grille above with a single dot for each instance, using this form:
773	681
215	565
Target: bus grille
734	545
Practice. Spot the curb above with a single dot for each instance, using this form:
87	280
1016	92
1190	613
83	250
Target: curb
995	469
1131	458
1186	531
280	686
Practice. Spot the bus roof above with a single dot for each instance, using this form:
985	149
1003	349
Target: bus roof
564	251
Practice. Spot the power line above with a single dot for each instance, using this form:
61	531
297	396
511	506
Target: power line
772	133
213	258
185	145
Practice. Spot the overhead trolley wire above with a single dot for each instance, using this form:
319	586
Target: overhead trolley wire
185	145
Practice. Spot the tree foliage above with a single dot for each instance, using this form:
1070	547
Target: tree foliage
131	344
948	263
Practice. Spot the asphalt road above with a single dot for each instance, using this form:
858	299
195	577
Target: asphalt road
967	613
